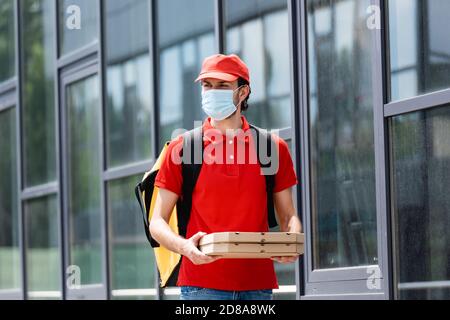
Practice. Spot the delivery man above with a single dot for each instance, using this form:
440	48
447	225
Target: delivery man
228	196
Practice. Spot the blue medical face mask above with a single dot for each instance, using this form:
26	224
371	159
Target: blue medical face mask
219	104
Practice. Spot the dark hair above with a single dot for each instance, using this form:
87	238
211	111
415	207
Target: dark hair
243	82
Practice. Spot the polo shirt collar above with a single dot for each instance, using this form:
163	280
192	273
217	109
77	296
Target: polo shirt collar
208	126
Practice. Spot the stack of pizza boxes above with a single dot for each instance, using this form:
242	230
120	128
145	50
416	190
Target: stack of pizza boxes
258	245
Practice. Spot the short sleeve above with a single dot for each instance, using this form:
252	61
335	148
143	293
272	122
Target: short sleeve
169	176
285	176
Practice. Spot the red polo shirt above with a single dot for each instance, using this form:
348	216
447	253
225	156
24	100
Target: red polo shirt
229	196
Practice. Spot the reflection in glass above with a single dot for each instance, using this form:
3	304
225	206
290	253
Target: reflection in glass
419	47
132	260
258	31
9	219
43	258
38	63
184	41
78	24
285	272
128	105
84	178
342	135
7	46
420	203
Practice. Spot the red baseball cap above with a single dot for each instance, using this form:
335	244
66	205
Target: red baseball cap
226	68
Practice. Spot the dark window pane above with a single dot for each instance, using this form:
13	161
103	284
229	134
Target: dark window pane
84	178
132	259
70	37
7	45
43	258
9	219
419	53
342	135
184	41
129	126
420	203
37	37
258	31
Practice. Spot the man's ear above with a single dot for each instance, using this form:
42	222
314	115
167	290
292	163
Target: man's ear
246	91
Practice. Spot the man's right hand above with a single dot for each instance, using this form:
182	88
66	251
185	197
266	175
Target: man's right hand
191	251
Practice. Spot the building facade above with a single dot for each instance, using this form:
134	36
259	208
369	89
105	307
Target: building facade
91	89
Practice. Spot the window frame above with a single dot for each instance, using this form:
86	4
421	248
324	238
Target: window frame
392	109
10	98
68	77
8	104
347	282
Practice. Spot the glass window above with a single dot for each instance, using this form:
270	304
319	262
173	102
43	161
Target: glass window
341	134
285	272
419	51
9	219
78	24
184	41
420	203
7	45
38	63
258	31
128	104
84	178
132	258
43	257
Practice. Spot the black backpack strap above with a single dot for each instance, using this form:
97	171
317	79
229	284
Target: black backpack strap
147	186
266	160
138	192
192	160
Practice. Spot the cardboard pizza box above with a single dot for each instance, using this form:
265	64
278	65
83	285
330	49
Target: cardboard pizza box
253	250
252	237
